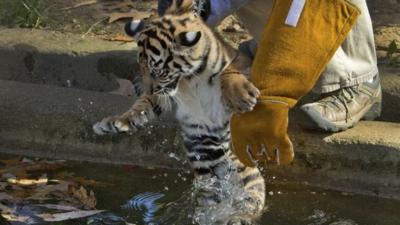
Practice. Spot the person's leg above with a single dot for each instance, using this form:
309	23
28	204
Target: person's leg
350	82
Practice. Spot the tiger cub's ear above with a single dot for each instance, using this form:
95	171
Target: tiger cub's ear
189	39
133	27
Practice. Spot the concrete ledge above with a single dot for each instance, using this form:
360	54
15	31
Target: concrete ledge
391	93
365	159
66	60
52	121
49	121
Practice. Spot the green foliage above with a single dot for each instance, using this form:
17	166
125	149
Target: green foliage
23	13
391	51
392	48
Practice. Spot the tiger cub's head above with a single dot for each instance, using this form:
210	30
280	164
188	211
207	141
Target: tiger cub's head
170	48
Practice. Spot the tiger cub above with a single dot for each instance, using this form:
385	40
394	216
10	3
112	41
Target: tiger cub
182	60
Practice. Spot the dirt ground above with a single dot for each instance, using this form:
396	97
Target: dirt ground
105	18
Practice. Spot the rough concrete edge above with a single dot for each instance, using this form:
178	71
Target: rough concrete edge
315	158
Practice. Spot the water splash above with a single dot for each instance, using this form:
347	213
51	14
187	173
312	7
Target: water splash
209	201
320	217
145	202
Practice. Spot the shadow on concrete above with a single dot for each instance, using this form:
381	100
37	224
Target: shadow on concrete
89	71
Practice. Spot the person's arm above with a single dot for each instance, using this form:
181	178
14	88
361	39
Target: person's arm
294	50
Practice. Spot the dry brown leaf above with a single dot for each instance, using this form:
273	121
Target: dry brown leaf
85	182
118	5
11	161
16	219
134	14
79	180
120	37
68	215
5	196
21	169
28	182
48	191
86	197
59	207
80	4
44	166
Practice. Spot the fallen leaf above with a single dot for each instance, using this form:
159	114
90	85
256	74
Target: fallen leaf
80	4
17	219
44	166
28	182
120	37
11	161
21	169
64	175
59	207
134	14
4	221
86	197
68	215
5	196
118	5
48	191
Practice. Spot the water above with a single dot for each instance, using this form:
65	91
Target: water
145	196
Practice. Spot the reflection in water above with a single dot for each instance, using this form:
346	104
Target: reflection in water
290	203
145	202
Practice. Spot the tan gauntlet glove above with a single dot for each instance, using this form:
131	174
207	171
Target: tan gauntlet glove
289	60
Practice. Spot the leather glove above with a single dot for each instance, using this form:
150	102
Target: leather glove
295	47
266	135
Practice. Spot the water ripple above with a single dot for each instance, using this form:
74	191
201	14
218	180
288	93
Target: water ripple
146	203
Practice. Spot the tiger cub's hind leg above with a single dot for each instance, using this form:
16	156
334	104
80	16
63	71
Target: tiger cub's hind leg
250	205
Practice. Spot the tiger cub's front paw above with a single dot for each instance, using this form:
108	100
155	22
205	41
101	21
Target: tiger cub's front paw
128	122
238	93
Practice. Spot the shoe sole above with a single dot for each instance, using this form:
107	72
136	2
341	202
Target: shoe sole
316	121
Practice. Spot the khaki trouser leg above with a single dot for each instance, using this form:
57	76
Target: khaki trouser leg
355	61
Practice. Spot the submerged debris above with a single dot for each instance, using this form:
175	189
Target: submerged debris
28	196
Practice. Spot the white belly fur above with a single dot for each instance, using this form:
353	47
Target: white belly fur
200	102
